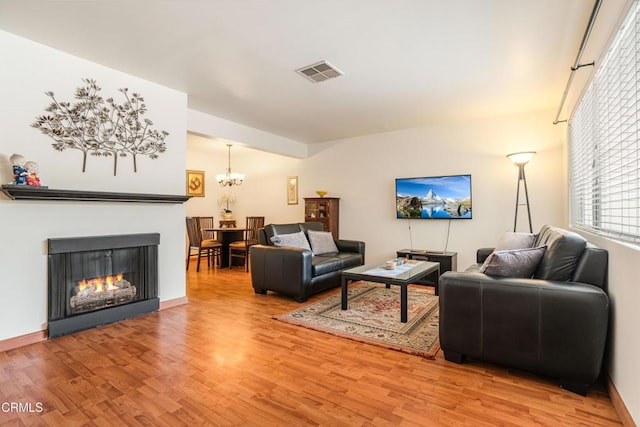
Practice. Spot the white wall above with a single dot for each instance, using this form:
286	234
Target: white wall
207	125
29	69
362	171
623	352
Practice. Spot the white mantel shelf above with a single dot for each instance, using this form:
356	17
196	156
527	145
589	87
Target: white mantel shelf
26	192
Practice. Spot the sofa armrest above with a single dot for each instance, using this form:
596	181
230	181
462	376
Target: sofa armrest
282	269
351	246
556	328
592	267
482	254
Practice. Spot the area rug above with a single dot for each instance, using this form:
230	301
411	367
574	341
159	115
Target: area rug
373	317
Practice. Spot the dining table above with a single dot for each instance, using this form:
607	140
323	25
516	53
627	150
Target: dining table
226	235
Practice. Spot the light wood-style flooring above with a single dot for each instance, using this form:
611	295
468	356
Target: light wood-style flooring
223	360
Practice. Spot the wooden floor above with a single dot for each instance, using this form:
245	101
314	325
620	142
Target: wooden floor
223	360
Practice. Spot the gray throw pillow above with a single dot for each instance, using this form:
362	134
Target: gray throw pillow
296	240
512	240
322	242
513	263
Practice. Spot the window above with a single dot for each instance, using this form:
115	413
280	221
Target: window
604	147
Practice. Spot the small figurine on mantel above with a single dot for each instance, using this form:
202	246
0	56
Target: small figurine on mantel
19	171
32	174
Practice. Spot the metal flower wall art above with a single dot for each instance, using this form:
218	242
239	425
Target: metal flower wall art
101	127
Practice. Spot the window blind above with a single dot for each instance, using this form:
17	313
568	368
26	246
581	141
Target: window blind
604	148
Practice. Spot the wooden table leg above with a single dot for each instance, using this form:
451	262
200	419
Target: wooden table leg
226	238
345	285
403	303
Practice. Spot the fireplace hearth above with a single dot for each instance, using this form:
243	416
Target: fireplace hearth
98	280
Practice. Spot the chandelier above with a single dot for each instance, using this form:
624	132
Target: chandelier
229	179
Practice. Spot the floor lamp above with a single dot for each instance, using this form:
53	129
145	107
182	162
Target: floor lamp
520	159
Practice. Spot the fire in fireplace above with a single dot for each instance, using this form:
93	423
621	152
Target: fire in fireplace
98	292
101	279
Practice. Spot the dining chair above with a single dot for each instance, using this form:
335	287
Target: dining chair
240	248
206	222
203	247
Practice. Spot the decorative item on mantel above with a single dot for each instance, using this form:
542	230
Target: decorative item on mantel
24	172
19	172
321	193
101	127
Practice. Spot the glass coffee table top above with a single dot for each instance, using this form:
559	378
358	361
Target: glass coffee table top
405	272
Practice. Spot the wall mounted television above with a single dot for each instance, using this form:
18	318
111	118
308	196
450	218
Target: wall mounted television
434	197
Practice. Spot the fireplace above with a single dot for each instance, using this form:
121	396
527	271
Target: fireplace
101	279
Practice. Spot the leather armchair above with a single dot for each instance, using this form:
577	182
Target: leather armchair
544	325
298	272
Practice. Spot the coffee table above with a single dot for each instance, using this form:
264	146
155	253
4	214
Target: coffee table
400	276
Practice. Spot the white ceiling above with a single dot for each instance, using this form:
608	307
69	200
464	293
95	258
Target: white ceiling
406	63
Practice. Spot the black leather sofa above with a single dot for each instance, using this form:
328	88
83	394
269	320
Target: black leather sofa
554	323
297	272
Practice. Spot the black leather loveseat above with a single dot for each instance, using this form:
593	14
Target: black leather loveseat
298	272
553	322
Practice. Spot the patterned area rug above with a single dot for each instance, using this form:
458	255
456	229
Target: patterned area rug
373	317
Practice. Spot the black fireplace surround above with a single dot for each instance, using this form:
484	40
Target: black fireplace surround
81	267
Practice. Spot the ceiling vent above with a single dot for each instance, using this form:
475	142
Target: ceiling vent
319	72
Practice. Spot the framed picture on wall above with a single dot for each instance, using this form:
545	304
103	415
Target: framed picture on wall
292	190
195	183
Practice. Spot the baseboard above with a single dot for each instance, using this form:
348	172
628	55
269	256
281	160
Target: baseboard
21	341
173	303
36	337
619	405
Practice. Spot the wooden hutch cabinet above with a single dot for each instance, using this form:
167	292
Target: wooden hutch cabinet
324	210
